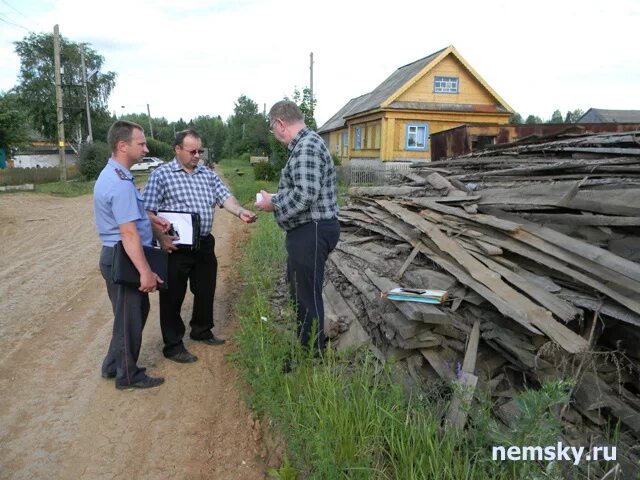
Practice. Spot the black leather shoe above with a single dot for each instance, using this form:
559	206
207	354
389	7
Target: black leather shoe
146	382
211	341
183	357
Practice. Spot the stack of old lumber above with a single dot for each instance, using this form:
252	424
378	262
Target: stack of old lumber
538	247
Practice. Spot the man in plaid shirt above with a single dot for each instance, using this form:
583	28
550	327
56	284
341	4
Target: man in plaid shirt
184	185
306	207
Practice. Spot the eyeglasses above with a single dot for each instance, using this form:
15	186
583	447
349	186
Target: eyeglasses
272	124
194	151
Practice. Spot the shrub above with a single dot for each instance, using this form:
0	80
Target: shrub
265	171
160	149
93	158
245	157
336	159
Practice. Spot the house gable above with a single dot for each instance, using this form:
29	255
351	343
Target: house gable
447	63
470	91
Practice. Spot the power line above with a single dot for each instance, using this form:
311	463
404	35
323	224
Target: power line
14	9
14	24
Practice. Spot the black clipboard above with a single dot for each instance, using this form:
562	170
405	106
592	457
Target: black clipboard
186	226
124	272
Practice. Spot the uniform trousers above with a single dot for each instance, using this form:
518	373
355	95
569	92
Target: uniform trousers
199	269
130	311
308	248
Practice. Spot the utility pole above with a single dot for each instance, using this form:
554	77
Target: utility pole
150	125
311	81
60	115
86	96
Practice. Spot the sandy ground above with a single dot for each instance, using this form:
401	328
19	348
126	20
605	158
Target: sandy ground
58	418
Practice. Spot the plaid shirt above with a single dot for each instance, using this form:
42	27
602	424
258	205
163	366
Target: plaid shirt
171	187
307	189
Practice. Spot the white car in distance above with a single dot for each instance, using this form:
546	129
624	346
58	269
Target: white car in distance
146	164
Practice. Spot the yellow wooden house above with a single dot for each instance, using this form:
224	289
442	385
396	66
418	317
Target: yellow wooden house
394	121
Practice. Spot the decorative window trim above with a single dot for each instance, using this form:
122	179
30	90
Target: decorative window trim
414	129
443	84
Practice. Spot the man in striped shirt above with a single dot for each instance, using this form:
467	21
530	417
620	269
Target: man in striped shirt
306	207
184	185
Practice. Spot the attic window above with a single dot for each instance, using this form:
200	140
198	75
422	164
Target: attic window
445	84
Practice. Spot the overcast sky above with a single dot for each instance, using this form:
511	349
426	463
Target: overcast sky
195	57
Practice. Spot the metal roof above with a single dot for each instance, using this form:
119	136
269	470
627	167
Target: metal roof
374	99
600	115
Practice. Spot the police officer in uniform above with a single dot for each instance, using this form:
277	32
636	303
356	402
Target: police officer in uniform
120	215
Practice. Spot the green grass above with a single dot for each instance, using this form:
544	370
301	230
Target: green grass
70	188
239	174
346	417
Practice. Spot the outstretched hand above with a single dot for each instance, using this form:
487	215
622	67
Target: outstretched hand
247	216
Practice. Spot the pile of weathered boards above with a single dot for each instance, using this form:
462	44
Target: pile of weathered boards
538	246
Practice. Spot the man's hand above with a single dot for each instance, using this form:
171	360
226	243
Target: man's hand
265	204
149	281
161	224
247	216
166	242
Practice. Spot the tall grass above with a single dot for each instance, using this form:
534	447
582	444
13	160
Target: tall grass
239	174
345	416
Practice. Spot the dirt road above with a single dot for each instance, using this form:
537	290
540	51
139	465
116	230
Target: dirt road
58	418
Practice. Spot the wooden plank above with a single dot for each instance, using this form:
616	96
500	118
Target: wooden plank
528	312
595	254
407	262
490	220
443	360
469	362
456	416
551	262
383	191
559	307
608	201
592	220
573	250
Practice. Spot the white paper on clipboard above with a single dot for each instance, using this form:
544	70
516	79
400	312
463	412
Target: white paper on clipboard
182	224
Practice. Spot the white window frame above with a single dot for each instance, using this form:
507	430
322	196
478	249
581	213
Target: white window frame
443	84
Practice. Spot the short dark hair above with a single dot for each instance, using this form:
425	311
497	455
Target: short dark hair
121	131
189	132
287	111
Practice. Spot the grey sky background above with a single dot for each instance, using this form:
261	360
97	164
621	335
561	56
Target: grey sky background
194	57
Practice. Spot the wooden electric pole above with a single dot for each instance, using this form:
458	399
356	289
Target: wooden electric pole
311	82
86	96
60	114
150	124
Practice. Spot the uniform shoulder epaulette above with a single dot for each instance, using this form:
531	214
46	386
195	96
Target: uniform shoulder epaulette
121	174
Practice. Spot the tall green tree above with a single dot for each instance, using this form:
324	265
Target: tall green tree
532	119
214	134
248	130
307	105
36	86
13	122
573	116
516	118
556	117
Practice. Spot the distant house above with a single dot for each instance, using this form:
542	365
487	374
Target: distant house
396	119
600	115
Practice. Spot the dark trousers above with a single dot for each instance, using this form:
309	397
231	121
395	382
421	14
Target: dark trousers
130	311
199	268
308	247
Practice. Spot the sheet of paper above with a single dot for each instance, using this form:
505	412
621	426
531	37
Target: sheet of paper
182	225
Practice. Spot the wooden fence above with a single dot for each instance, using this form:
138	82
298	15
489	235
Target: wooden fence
19	176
